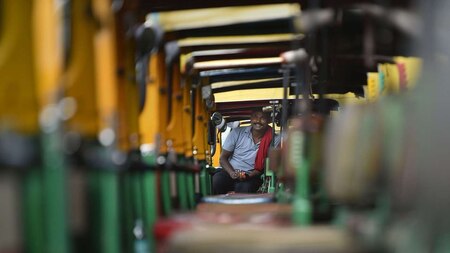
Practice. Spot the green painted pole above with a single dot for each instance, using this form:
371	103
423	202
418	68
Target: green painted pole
182	185
150	206
109	205
141	227
55	194
137	195
190	189
150	199
302	207
128	216
269	173
165	192
208	179
93	210
182	190
33	211
205	179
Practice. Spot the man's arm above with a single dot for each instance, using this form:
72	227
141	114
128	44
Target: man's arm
226	165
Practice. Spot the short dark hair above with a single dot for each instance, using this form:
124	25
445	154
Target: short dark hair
259	109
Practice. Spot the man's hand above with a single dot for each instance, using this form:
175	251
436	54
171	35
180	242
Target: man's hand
242	176
239	174
234	174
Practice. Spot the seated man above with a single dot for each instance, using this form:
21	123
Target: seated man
243	156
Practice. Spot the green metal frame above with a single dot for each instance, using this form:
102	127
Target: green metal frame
55	194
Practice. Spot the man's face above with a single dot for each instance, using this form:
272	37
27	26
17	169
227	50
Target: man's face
259	121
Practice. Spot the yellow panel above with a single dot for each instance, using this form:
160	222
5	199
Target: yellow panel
18	103
199	138
234	63
47	27
274	93
183	59
215	158
80	75
226	84
230	40
347	98
106	65
128	115
245	95
392	81
153	119
372	86
174	131
206	116
185	19
187	119
128	100
413	68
